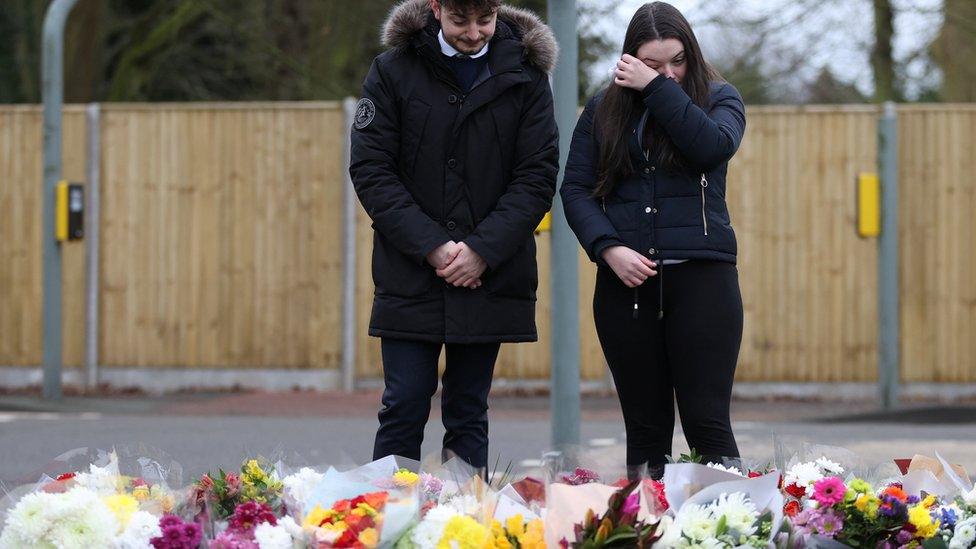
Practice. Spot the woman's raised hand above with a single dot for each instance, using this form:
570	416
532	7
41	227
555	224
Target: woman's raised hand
631	267
633	73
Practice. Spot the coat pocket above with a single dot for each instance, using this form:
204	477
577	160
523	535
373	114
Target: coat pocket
518	277
396	274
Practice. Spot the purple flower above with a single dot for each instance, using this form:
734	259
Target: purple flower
828	523
892	507
912	500
177	534
904	536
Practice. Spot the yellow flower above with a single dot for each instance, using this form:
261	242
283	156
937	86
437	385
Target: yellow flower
463	532
515	525
867	504
405	478
122	506
141	493
316	516
920	518
369	537
928	502
338	526
533	537
254	471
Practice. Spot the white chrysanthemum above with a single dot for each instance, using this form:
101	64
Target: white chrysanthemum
829	467
740	513
964	535
273	537
300	484
721	467
696	522
30	519
803	474
94	526
670	533
142	527
430	530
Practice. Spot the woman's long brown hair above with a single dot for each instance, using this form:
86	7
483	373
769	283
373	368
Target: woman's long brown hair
620	105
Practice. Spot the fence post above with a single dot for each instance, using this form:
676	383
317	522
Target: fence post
888	263
92	250
348	258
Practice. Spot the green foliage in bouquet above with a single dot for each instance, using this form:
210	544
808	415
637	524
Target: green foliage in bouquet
693	457
223	492
618	527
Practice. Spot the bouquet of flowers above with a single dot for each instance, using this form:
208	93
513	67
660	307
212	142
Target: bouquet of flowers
222	493
855	515
365	507
352	522
743	512
799	480
78	517
617	527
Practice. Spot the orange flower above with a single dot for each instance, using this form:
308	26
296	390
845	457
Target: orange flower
376	500
896	492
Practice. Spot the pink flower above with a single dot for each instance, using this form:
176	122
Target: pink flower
632	504
233	484
829	491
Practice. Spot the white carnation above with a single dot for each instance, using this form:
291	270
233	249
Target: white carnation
300	485
272	537
430	530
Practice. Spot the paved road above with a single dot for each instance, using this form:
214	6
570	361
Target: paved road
207	431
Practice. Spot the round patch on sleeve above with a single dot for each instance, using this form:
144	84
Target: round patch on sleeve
365	111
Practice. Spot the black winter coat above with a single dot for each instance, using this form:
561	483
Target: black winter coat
661	213
432	164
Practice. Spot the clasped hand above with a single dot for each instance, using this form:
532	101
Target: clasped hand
458	264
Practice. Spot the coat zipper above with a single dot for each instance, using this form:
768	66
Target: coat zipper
704	183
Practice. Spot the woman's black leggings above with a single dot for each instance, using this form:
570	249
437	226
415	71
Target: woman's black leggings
685	346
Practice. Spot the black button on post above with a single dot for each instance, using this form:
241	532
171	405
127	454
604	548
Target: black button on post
452	99
452	163
451	225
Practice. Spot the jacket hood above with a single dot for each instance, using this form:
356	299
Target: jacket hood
411	17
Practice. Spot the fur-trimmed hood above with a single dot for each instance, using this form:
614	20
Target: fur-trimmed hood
409	17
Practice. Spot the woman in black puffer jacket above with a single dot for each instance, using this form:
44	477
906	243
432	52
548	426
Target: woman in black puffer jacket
644	191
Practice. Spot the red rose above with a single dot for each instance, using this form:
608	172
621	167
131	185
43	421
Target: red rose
65	476
754	474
